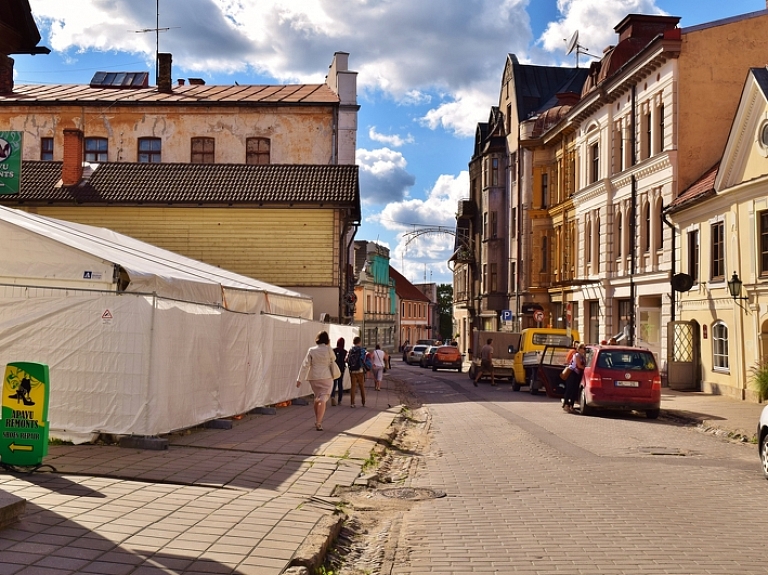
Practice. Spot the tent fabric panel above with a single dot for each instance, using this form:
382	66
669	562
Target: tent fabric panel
98	368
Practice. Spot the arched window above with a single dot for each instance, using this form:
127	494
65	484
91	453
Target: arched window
647	227
720	346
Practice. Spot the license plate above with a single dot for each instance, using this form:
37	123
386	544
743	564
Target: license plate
620	383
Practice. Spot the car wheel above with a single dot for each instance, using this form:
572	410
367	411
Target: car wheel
652	413
764	454
584	409
515	386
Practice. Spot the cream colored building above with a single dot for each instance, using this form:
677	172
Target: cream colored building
723	227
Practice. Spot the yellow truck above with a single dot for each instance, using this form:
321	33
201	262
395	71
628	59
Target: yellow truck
516	354
528	352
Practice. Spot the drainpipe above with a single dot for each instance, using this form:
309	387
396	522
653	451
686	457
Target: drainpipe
633	224
674	237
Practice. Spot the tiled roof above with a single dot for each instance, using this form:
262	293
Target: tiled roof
135	183
702	188
405	289
78	94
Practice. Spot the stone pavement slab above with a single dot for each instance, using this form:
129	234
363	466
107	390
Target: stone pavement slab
240	500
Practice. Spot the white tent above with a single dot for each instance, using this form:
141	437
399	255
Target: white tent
140	340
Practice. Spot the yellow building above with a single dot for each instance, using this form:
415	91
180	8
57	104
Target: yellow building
722	222
259	180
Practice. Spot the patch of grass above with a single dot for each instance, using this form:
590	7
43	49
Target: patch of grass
372	461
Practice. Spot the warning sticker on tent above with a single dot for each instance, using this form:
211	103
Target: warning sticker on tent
106	315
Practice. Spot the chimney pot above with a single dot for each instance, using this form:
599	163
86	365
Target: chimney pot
6	74
164	61
72	168
181	80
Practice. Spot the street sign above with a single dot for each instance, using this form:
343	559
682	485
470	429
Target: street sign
24	427
538	315
10	162
506	315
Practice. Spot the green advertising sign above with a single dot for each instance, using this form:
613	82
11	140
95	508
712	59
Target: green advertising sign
10	162
24	427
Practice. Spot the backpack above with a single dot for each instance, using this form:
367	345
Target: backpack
368	363
354	359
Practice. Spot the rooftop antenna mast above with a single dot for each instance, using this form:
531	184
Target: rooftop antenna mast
157	29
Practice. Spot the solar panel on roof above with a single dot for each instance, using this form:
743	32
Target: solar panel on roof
120	80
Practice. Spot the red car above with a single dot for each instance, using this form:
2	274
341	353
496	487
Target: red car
621	377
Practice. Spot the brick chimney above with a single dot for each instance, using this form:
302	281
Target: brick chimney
164	73
6	74
72	170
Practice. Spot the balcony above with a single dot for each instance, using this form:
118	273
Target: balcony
467	210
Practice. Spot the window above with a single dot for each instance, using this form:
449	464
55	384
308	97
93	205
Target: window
544	189
257	151
594	321
494	279
544	254
495	172
594	156
717	271
619	236
513	223
625	318
485	172
149	150
96	149
494	225
660	135
485	278
618	160
693	255
764	243
720	346
46	149
485	225
647	136
513	276
588	243
647	228
203	150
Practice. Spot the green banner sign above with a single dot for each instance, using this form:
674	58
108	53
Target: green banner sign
24	427
10	162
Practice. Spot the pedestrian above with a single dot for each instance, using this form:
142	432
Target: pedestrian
355	361
318	368
380	361
486	362
573	382
341	361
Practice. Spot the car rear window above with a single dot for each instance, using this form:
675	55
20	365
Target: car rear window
419	348
626	360
550	339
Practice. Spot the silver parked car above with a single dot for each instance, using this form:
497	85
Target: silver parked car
415	353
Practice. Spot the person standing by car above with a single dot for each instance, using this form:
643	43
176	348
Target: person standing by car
486	362
341	361
379	360
574	378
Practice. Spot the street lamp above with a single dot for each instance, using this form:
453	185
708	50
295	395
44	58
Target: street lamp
734	287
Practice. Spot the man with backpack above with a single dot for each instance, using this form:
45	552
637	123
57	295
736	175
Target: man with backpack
356	363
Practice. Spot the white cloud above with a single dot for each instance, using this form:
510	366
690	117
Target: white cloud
594	20
461	114
393	140
383	176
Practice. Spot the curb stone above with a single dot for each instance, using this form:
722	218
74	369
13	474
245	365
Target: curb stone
311	553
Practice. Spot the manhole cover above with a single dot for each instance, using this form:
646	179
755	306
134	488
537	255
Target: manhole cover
412	493
663	451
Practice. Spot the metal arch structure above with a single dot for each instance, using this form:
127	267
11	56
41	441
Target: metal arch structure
416	233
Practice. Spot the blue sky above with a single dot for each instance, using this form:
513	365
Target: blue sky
428	72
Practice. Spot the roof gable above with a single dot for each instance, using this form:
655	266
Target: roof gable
404	289
746	151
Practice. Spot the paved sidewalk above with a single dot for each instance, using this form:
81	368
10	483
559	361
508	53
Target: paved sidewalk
241	501
244	500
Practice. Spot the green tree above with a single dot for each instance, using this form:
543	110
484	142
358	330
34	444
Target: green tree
445	309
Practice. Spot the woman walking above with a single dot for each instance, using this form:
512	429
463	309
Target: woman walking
318	368
379	360
341	361
573	382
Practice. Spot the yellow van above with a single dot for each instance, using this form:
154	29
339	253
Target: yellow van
526	355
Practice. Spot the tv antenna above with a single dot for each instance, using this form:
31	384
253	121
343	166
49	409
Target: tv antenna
574	46
157	29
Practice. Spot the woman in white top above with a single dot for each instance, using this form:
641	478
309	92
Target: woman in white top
379	360
316	369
